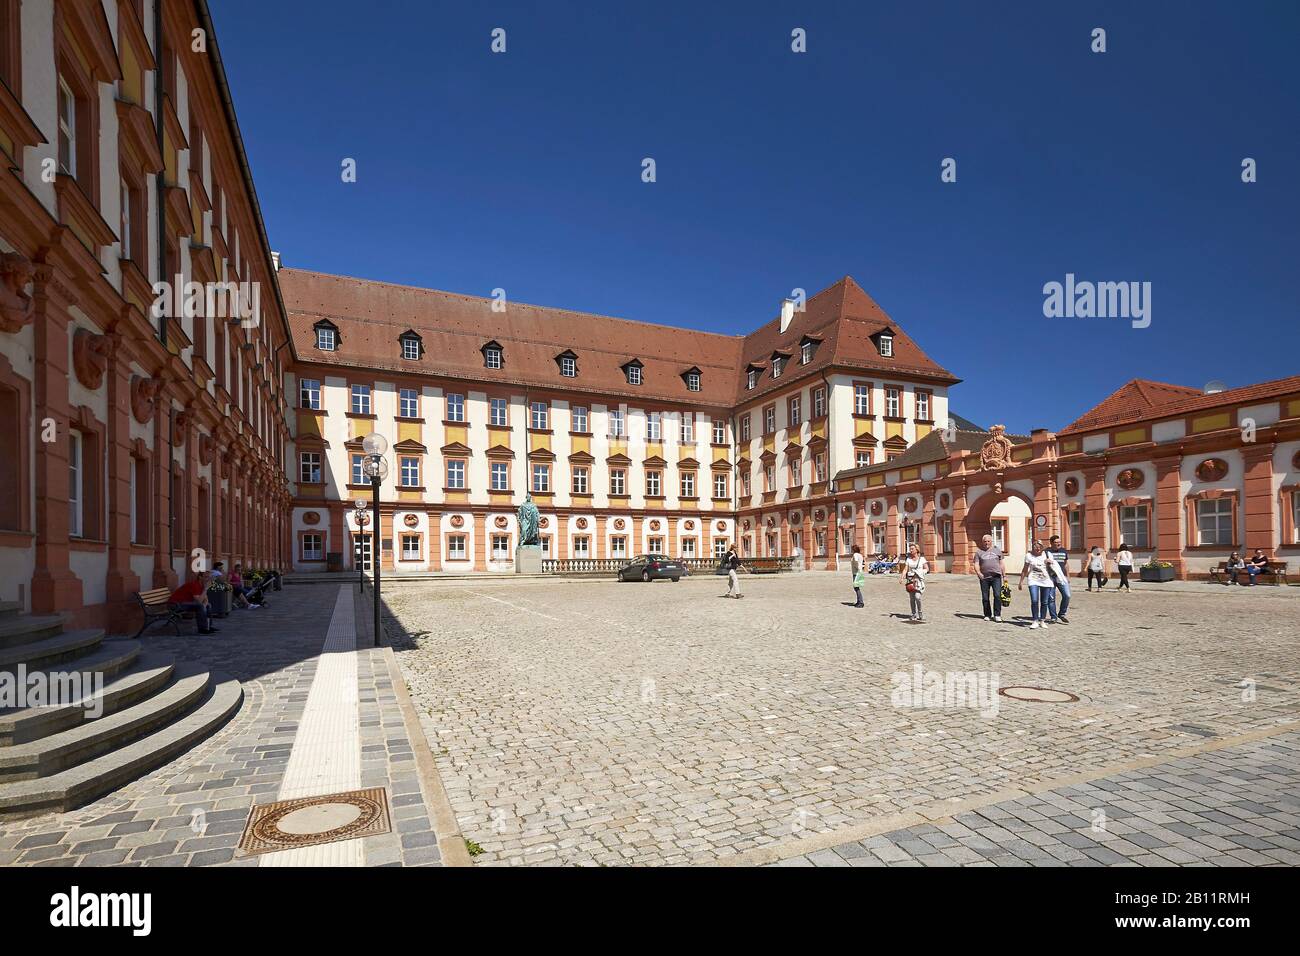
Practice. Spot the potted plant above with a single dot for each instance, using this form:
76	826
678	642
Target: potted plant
219	597
1157	571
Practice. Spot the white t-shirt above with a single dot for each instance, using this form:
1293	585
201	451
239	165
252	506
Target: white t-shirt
856	566
915	569
1124	557
1095	561
1036	567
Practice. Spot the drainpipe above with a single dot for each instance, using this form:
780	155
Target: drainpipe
160	177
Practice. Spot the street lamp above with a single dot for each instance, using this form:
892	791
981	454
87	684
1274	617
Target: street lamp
362	519
375	467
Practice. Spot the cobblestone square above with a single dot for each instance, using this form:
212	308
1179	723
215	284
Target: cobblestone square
599	723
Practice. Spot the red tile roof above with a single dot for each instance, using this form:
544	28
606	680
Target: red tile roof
1140	400
371	315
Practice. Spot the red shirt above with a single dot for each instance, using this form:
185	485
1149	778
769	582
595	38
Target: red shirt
187	593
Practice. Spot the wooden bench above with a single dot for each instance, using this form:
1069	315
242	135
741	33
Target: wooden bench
1276	571
157	607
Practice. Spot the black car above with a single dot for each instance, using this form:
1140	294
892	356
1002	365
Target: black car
647	567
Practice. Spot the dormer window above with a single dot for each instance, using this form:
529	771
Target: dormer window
327	336
886	342
633	372
751	378
777	364
412	345
692	379
494	355
805	353
568	363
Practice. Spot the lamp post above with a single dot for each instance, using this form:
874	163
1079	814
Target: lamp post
375	467
362	519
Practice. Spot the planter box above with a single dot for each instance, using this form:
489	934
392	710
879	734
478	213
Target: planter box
219	602
1155	574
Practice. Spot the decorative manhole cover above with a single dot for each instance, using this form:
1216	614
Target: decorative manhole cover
1038	695
310	821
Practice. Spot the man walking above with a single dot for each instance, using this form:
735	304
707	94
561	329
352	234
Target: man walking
731	561
987	563
1060	577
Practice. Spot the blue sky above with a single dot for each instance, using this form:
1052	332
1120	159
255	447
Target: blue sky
779	170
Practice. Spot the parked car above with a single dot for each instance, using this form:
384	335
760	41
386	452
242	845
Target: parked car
647	567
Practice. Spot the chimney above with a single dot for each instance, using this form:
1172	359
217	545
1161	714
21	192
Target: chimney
787	313
275	260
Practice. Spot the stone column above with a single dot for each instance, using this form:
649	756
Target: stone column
961	549
54	586
807	536
121	582
1095	519
892	544
1169	513
1260	497
600	550
164	572
927	528
480	541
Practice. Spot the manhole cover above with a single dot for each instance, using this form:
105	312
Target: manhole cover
1038	695
309	821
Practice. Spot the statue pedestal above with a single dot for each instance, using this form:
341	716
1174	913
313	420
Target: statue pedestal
528	559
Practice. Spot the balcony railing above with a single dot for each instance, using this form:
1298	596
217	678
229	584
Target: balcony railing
692	565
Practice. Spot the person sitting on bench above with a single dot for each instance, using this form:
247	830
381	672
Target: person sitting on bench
1232	567
245	596
193	596
1256	566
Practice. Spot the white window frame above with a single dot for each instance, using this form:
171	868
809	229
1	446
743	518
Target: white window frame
819	401
777	363
617	481
578	418
688	428
539	416
499	411
408	403
1138	518
411	348
893	402
309	394
616	428
1216	520
409	468
688	484
499	475
887	346
653	483
326	340
720	484
309	464
455	403
458	547
805	353
751	379
493	358
634	374
653	426
569	366
314	552
500	547
67	128
618	546
861	399
922	406
580	479
76	485
456	473
693	381
541	478
358	469
360	400
411	553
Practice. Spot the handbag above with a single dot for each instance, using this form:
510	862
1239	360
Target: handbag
1006	594
859	579
911	587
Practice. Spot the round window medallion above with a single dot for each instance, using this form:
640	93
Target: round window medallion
909	504
746	525
877	507
1071	486
846	511
689	525
543	522
771	522
410	521
1212	469
722	525
1130	478
819	515
944	500
654	525
581	523
618	524
457	521
796	517
311	517
502	521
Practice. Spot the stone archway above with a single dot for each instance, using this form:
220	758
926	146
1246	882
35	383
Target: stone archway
979	516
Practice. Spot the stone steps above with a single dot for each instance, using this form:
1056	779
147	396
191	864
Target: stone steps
58	752
15	630
50	650
145	676
87	781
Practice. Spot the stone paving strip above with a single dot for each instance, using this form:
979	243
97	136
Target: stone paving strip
1230	806
192	812
599	724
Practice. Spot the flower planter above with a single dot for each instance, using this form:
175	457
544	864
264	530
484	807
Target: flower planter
1156	574
219	602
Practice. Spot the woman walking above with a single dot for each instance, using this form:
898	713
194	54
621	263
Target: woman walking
859	575
1039	573
915	568
1124	561
1096	567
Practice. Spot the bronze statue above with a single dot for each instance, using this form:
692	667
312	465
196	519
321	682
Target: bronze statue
528	522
